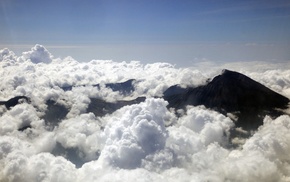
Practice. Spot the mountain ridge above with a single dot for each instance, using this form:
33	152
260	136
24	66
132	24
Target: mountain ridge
231	92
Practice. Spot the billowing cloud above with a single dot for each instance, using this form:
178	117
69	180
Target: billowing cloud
144	141
38	54
135	134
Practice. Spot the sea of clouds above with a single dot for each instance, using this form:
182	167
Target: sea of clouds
135	143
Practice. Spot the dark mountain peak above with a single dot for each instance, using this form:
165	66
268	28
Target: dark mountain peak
228	76
234	91
229	72
231	92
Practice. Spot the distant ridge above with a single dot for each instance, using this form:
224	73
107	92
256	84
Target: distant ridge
125	88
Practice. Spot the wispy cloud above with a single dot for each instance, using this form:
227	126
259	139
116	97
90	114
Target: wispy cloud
24	46
65	46
249	6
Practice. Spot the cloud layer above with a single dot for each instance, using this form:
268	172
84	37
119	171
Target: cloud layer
141	142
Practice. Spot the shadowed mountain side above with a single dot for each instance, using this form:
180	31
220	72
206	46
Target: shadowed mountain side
125	88
56	112
100	107
231	92
14	101
73	154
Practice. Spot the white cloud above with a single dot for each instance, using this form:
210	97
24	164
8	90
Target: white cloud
7	55
38	54
83	133
131	144
137	133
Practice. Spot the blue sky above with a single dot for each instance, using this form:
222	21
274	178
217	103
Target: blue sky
176	31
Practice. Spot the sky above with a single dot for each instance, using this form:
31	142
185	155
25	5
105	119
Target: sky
181	32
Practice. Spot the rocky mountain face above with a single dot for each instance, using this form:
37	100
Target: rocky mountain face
231	92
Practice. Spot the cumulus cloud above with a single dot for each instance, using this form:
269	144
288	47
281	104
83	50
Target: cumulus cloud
7	55
38	54
144	141
82	134
139	132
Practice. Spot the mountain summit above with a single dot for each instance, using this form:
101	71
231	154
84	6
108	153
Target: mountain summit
231	92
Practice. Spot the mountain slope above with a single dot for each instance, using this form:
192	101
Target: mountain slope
231	92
